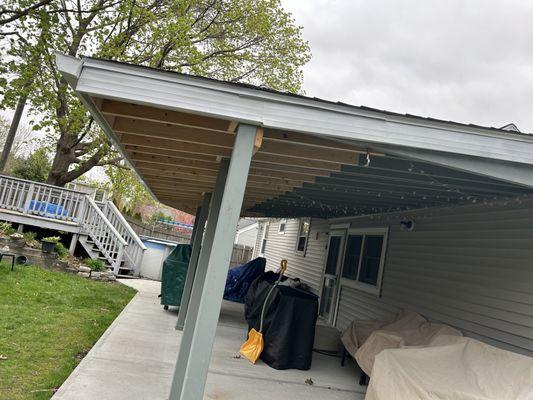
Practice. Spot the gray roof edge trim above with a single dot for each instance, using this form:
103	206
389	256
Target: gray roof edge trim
70	68
257	94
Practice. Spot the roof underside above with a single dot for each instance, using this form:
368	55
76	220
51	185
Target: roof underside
311	159
292	174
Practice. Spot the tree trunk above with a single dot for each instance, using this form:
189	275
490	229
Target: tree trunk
62	162
10	139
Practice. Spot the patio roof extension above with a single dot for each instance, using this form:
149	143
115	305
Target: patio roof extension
223	150
311	157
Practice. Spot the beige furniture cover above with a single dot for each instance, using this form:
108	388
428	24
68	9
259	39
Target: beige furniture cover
366	339
451	367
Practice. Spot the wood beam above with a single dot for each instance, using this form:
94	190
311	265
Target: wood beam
202	174
169	153
189	144
255	164
258	139
120	109
173	132
213	166
166	144
275	160
164	160
299	162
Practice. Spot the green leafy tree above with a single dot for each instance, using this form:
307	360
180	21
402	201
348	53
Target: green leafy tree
252	41
126	189
36	167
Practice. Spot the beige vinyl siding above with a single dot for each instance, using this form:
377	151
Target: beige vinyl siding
307	267
263	225
470	267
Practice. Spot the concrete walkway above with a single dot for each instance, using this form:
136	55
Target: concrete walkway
135	358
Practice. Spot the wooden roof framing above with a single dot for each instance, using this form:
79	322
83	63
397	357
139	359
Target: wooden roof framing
178	154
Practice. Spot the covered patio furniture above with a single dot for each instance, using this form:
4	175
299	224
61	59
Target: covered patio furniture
406	328
451	367
240	278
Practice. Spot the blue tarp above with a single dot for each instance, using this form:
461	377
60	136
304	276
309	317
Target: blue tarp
240	278
49	209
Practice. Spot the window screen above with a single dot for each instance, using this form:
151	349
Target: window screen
333	255
302	236
352	256
371	259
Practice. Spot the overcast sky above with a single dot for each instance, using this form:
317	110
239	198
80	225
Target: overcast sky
464	60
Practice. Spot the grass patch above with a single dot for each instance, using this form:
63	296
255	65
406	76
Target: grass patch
48	322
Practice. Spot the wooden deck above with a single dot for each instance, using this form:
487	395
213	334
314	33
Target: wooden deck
101	228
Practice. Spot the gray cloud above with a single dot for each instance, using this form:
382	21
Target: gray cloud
464	60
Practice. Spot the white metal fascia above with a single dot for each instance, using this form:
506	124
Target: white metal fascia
247	105
71	69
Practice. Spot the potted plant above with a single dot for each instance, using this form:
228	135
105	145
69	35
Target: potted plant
49	243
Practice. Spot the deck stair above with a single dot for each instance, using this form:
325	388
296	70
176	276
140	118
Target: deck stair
102	230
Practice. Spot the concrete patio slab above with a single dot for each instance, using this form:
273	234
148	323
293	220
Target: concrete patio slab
135	358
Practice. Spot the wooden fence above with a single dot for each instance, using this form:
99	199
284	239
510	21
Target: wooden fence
159	232
241	254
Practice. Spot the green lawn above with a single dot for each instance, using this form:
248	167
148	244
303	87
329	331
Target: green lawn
48	321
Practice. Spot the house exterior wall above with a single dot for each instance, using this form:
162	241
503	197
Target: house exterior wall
308	266
247	238
470	267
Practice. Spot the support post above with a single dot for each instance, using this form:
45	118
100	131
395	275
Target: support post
197	236
201	321
73	243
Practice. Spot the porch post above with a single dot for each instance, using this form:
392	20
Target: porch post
197	236
73	243
202	317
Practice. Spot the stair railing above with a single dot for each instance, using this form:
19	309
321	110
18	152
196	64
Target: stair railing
108	240
134	252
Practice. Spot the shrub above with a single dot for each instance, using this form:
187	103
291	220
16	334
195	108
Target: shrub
95	265
6	228
35	167
62	251
30	238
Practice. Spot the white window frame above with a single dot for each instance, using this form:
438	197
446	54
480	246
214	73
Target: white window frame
356	284
301	221
261	253
98	190
284	223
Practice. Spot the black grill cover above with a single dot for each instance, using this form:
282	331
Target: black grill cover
289	323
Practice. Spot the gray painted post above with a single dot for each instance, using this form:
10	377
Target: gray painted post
199	279
200	326
197	236
73	243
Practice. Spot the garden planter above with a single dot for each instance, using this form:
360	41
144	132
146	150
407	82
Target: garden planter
48	247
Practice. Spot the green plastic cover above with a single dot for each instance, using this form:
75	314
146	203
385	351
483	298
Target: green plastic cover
174	273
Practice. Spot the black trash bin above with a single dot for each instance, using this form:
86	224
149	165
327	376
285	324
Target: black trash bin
289	323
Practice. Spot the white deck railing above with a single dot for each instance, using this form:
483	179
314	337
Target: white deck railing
109	241
135	250
41	199
112	234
